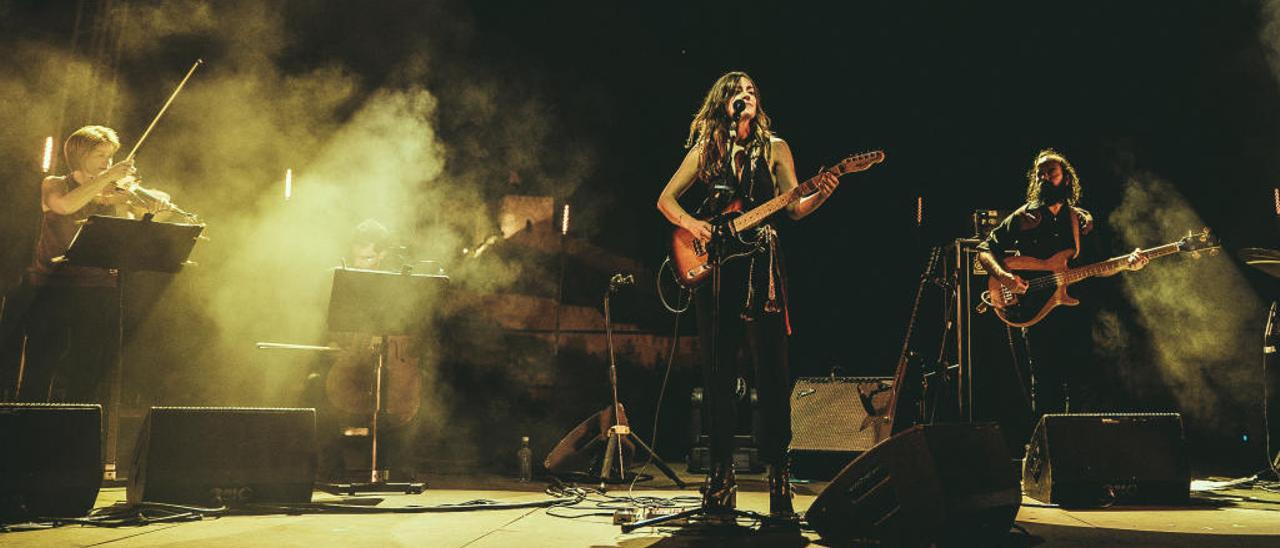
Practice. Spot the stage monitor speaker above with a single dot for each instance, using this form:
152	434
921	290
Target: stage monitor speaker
1103	459
946	484
51	464
835	419
211	456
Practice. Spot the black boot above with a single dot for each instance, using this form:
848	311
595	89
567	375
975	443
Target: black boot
780	509
720	492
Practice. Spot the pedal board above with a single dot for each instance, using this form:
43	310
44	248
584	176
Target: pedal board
623	516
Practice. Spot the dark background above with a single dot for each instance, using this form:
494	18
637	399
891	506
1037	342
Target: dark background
960	96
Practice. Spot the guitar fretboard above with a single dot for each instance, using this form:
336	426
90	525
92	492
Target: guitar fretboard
758	214
1113	265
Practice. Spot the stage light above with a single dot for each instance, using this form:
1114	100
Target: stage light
288	184
564	221
48	155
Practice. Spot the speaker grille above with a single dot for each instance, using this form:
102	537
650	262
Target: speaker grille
828	414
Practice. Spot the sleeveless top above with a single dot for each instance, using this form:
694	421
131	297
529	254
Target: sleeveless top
56	232
759	281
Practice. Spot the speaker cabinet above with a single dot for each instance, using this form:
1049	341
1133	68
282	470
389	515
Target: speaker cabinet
51	463
1104	459
224	455
835	419
947	484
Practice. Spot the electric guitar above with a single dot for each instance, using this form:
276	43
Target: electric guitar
1047	279
690	255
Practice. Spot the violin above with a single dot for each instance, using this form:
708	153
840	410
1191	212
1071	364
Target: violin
147	198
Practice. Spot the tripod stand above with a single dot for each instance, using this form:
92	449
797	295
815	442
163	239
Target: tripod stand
619	432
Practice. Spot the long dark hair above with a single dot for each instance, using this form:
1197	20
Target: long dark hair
1033	176
711	125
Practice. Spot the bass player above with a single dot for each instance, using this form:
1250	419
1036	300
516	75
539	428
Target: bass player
1048	223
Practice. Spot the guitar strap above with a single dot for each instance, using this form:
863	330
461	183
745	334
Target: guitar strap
1075	230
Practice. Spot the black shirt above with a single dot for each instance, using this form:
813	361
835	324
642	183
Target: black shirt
1032	230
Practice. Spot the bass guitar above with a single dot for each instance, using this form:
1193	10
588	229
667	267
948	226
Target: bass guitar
690	255
1047	279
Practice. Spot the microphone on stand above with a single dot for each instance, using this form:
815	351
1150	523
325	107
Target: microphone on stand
738	107
618	280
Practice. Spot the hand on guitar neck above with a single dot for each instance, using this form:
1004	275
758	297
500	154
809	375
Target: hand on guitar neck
824	182
1136	260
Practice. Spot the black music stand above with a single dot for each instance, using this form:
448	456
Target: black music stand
127	245
387	303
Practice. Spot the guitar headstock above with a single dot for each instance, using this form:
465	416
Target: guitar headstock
857	162
1196	243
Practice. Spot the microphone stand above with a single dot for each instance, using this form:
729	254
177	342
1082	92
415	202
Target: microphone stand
719	516
618	430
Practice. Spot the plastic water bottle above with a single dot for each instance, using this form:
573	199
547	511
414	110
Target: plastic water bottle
525	456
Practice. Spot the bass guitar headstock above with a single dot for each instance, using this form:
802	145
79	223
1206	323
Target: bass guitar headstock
1196	243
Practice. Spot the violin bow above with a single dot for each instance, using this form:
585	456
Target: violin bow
164	108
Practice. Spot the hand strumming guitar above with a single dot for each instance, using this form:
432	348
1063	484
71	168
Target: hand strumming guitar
701	229
1012	282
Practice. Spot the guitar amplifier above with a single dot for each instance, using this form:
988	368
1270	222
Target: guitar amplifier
835	419
986	220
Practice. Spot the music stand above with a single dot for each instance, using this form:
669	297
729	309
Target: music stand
387	303
127	245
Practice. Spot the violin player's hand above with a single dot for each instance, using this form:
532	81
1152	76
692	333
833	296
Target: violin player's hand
116	172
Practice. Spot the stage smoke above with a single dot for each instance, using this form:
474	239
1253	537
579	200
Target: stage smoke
1200	315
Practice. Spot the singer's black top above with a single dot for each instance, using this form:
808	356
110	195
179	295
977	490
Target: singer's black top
755	284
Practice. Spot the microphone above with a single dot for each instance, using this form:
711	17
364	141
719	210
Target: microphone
738	106
618	280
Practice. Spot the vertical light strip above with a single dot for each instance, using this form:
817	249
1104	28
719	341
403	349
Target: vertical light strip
47	163
564	221
288	184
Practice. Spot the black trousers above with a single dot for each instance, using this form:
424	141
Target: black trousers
1063	370
765	341
72	341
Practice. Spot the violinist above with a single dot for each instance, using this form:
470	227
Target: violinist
71	327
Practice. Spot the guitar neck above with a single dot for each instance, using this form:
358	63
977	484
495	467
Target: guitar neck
758	214
1116	264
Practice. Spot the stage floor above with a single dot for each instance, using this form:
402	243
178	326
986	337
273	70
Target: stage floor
1204	524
